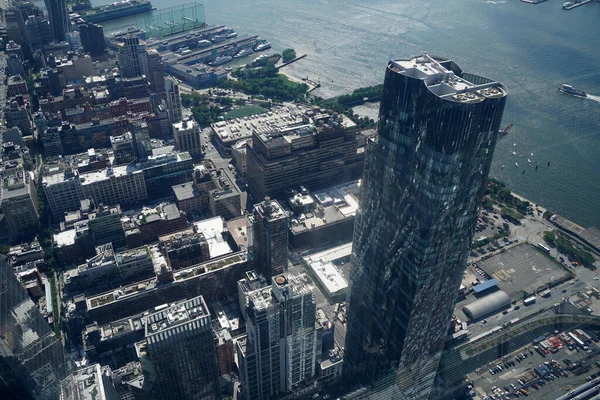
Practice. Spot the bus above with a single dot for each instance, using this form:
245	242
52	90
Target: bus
529	301
543	247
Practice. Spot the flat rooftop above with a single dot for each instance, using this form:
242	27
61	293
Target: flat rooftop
171	316
523	269
213	229
323	268
238	230
104	174
236	129
445	82
85	384
339	203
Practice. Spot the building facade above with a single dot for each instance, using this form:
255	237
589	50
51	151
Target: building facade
63	192
32	357
178	355
19	204
187	137
268	237
59	18
424	178
92	38
132	57
283	345
156	71
173	99
320	151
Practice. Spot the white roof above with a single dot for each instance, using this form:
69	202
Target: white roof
65	238
212	229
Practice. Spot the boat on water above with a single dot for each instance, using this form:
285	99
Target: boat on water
568	89
232	35
517	164
260	58
528	160
531	154
204	43
116	10
220	60
218	38
243	53
567	4
262	46
503	165
514	153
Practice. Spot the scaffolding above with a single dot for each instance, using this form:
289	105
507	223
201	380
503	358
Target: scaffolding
172	20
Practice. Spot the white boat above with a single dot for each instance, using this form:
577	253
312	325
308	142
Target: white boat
262	46
220	60
514	144
503	165
514	153
531	154
243	53
260	58
232	35
517	164
528	160
204	43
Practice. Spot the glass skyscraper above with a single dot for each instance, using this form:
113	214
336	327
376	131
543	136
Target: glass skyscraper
32	357
424	179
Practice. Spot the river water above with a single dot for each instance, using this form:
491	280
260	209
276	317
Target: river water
532	49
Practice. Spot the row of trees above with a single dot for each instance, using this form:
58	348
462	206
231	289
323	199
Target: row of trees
498	191
564	245
266	82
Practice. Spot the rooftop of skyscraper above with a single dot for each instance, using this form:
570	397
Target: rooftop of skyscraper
85	384
447	81
171	316
264	297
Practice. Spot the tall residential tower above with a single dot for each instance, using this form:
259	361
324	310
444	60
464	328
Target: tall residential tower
283	345
424	178
178	356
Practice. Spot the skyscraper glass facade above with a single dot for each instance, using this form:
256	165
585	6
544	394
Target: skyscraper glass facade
32	359
424	178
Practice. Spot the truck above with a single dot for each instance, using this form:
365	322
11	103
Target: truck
545	293
529	301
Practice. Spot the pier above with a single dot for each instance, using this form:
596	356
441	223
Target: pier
312	85
577	4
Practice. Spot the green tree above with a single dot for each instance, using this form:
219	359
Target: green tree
288	55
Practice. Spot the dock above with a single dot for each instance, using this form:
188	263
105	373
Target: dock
576	4
289	62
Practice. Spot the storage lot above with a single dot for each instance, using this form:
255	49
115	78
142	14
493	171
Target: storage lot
513	370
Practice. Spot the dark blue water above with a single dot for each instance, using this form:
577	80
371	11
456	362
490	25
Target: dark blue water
532	49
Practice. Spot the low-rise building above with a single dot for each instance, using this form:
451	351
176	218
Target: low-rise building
149	223
323	217
62	187
319	151
122	184
185	248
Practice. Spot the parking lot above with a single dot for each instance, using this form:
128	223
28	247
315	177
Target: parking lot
562	370
523	269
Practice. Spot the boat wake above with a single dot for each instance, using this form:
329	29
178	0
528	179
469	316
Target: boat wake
594	98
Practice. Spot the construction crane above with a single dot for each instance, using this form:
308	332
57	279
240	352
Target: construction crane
503	132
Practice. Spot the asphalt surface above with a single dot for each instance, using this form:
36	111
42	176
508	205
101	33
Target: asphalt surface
484	381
